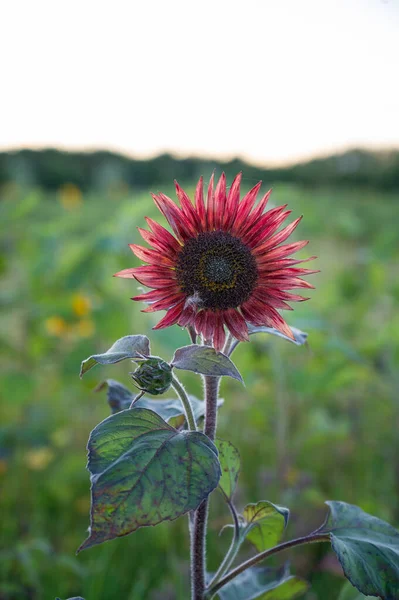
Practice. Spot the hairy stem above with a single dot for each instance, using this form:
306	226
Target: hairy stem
198	539
211	399
310	539
181	392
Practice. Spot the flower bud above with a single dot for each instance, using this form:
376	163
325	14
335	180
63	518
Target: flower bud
154	376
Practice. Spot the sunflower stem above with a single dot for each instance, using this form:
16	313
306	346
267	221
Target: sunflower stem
136	398
181	392
232	551
198	538
309	539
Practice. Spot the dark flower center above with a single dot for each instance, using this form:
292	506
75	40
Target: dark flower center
217	269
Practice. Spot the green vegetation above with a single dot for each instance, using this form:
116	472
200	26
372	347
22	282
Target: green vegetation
323	426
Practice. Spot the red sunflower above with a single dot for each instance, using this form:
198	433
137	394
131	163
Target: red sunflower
224	265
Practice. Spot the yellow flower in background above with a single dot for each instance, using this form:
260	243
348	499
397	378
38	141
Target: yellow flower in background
56	326
85	328
70	196
39	458
3	466
81	305
292	476
61	438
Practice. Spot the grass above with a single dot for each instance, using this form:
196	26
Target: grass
313	423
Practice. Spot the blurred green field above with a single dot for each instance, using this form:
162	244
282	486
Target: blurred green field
313	423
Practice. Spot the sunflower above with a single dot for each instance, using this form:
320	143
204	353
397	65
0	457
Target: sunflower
224	267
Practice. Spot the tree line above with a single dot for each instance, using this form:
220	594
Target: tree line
50	169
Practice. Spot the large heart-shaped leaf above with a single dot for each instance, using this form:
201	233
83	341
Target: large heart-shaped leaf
204	360
230	463
130	346
263	584
143	471
366	547
120	398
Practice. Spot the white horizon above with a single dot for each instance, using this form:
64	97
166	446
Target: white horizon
270	82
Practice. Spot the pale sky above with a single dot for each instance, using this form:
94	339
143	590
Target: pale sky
268	80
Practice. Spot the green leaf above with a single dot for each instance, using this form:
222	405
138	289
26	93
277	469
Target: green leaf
300	336
130	346
366	547
120	398
263	584
230	463
264	524
348	592
204	360
143	471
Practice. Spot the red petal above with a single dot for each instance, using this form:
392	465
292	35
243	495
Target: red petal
256	230
205	324
157	243
281	264
288	283
219	336
154	276
245	207
208	329
281	295
232	203
260	313
293	272
200	322
171	317
220	201
126	274
187	207
236	324
253	311
271	226
277	239
258	211
281	252
156	294
210	205
178	221
164	302
199	203
277	321
286	272
154	257
264	296
188	315
157	271
163	235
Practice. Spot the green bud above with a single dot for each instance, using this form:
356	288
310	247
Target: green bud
154	376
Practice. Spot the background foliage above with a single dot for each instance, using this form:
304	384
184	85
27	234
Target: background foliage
313	423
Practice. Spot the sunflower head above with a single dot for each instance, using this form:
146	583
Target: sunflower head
225	264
